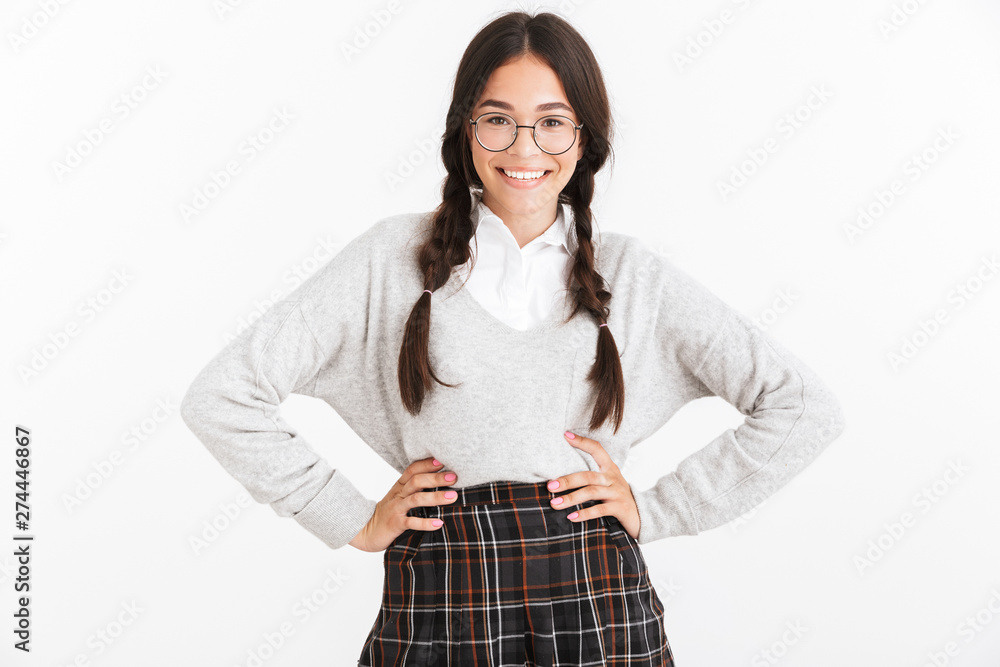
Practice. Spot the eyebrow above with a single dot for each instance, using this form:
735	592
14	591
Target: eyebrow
548	106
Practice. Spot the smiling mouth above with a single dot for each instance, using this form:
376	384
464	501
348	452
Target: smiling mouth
525	175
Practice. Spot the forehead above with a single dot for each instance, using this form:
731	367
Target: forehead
524	85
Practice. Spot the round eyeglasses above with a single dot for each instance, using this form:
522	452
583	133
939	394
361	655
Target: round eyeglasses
553	134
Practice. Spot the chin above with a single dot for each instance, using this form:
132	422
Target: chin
524	202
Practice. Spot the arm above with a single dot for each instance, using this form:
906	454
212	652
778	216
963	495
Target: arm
232	405
791	414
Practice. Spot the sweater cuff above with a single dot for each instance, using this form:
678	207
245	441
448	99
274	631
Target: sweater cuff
337	513
664	511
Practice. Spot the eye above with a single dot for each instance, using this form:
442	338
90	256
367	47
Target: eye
496	120
553	122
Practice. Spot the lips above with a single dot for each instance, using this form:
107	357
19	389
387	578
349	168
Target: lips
543	172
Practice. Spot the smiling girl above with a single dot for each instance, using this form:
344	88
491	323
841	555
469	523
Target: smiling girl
504	360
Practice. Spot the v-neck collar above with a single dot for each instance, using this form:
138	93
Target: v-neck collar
553	320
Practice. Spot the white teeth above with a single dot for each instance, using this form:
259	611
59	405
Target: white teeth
524	175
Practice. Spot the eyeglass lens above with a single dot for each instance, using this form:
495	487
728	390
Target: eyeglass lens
553	134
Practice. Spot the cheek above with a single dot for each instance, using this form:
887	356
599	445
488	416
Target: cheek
480	162
566	168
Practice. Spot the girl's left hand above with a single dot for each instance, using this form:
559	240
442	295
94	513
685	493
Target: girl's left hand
608	485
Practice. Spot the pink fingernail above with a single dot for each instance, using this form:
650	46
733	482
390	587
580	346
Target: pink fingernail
436	462
553	485
437	522
573	515
450	477
569	435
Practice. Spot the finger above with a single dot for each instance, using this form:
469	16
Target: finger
418	467
425	499
429	498
418	523
579	479
587	513
425	464
585	485
592	447
428	480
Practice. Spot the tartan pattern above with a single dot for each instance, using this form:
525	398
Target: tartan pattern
509	581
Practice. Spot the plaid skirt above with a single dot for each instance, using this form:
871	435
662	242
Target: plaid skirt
509	581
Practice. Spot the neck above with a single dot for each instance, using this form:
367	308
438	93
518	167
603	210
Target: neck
525	224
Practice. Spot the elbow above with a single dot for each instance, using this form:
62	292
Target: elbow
827	414
192	406
835	421
188	409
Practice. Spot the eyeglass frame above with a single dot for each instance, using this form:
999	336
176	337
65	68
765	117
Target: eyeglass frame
534	138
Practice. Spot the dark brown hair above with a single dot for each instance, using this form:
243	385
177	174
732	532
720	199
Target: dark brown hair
555	42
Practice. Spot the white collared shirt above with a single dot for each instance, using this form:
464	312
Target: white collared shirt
519	286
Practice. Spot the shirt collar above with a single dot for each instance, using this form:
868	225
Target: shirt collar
561	232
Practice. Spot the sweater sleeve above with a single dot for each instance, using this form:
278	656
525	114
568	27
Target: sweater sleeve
790	414
232	405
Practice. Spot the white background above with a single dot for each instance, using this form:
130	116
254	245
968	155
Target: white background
847	302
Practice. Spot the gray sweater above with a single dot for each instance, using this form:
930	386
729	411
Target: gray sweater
337	338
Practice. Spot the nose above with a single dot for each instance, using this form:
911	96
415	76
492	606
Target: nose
524	143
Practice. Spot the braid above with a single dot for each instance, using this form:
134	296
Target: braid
593	297
447	246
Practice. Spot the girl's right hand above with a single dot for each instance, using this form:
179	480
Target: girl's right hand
390	518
